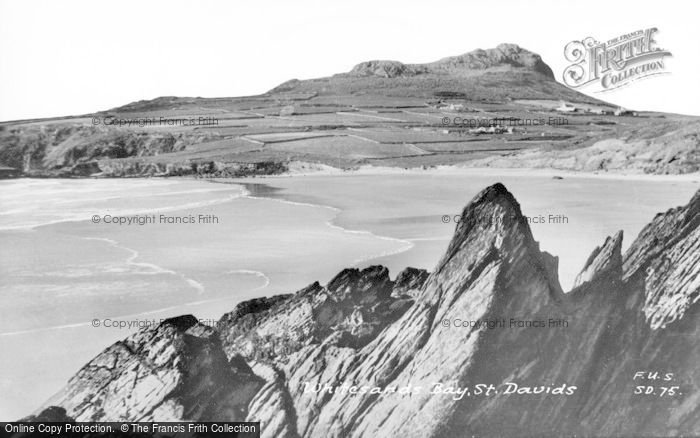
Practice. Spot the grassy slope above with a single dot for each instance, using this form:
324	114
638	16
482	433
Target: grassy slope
347	121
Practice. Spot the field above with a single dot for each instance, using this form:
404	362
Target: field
393	126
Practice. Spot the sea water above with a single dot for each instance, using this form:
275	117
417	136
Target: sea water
75	278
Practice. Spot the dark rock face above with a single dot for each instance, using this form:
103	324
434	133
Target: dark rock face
176	371
50	414
57	146
350	310
410	281
627	315
75	150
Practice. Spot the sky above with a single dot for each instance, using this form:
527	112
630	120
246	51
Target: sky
72	57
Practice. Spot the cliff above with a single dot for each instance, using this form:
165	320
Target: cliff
674	148
76	150
560	364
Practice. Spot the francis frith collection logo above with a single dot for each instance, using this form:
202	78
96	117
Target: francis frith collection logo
614	63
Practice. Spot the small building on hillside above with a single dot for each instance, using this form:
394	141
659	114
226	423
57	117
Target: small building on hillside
624	112
566	107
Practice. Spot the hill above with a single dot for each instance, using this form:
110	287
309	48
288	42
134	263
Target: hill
485	107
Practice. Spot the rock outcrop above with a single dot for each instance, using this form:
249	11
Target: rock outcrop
368	356
502	56
175	371
606	260
386	69
665	258
502	73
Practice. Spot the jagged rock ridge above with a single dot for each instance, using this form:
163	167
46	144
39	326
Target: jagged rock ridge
628	313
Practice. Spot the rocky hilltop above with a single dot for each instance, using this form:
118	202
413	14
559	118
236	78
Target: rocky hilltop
506	71
493	107
503	57
537	362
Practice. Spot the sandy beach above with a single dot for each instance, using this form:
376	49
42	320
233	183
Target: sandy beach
66	271
273	235
410	204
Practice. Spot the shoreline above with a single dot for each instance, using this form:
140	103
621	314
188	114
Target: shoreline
364	171
263	283
408	245
489	171
542	178
245	193
307	169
